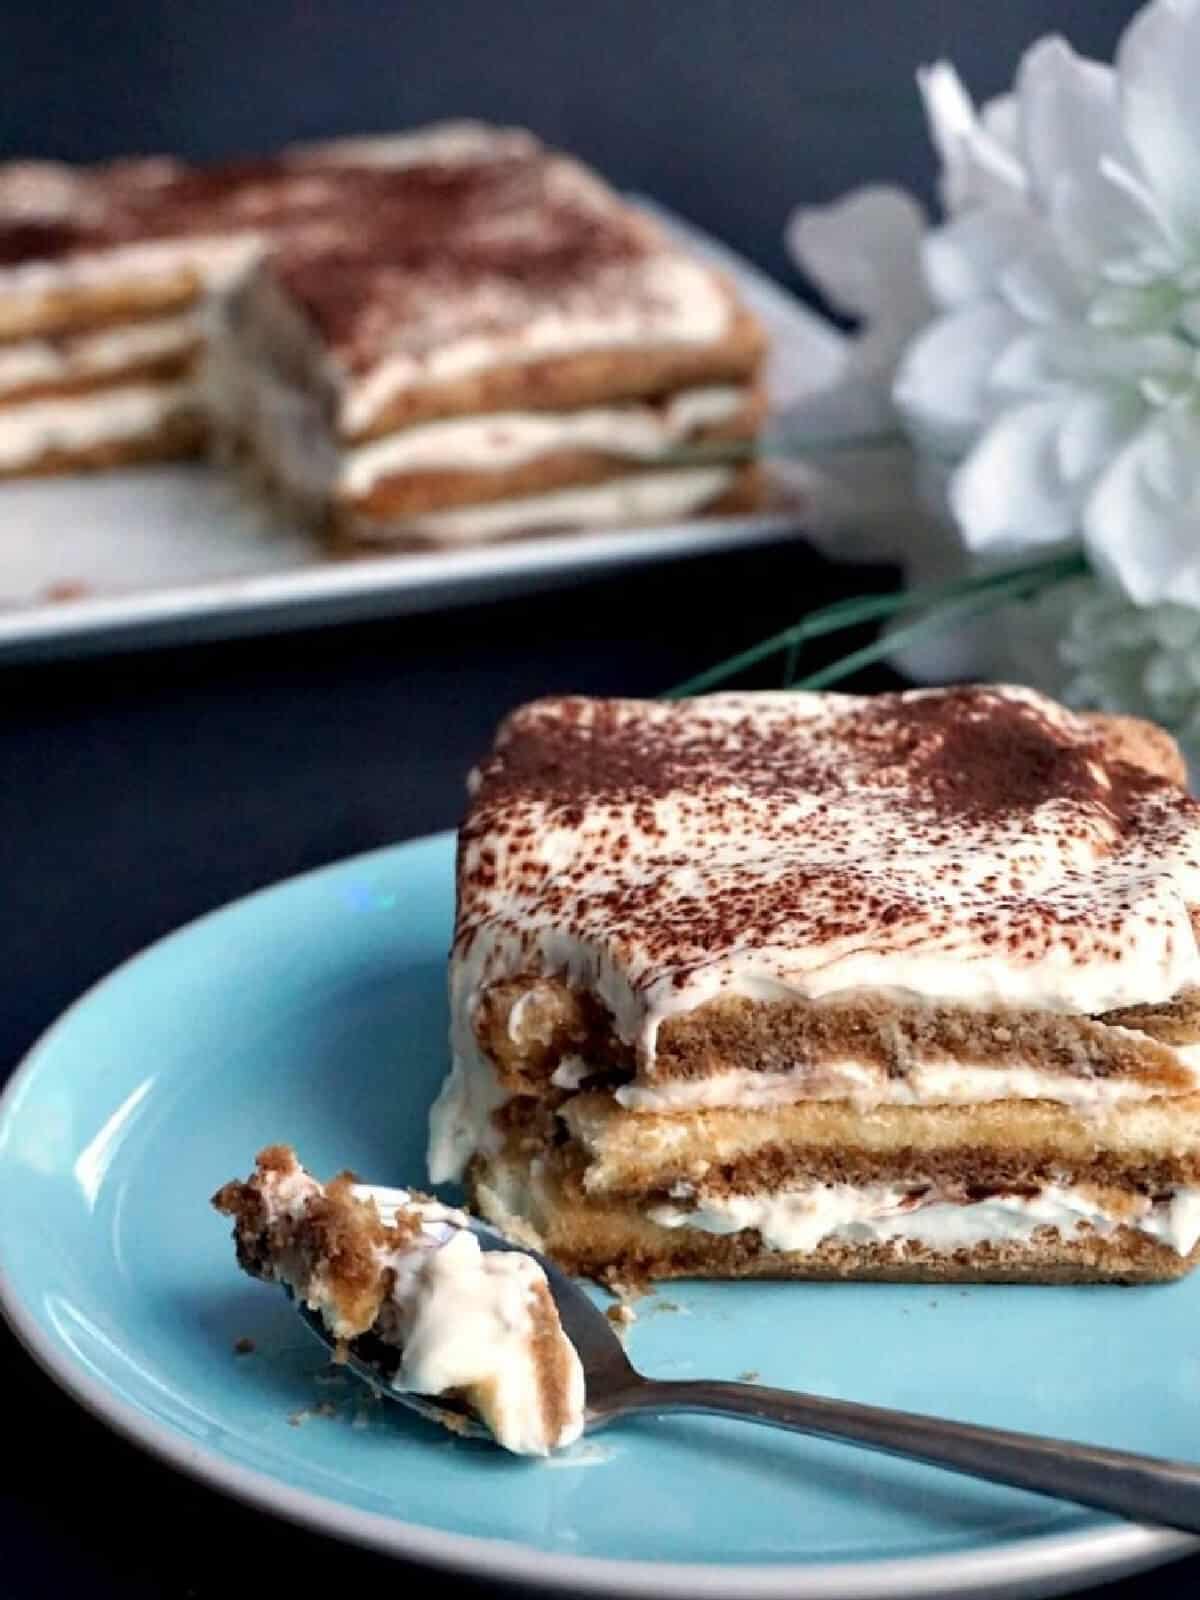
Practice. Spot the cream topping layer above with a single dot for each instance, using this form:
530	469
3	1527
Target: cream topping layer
461	1317
218	261
663	300
456	140
638	497
802	1219
99	354
47	191
34	428
511	438
965	847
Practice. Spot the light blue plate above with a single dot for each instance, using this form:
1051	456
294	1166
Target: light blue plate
314	1013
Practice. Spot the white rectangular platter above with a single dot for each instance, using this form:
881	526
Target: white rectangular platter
175	553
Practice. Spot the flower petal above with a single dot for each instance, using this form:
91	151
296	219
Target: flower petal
864	253
1000	122
941	388
1141	522
1177	628
979	165
1073	354
1040	286
1104	228
1067	114
966	258
1170	685
1080	167
1028	365
1158	68
1009	494
1128	308
1098	424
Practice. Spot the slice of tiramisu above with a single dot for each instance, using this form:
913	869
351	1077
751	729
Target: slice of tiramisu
402	1280
503	345
447	336
106	273
99	339
816	985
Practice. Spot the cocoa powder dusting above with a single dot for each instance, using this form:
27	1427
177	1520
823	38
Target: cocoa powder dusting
976	823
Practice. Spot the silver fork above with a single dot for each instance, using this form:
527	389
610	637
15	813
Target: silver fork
1142	1488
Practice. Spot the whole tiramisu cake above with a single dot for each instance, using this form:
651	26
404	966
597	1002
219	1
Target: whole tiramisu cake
109	276
402	1281
441	336
814	985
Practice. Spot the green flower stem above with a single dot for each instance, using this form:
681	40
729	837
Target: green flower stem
946	616
941	605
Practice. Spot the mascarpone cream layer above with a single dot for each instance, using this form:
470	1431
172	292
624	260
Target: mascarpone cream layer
218	262
923	1084
802	1219
506	439
463	1318
94	355
34	428
638	497
461	1121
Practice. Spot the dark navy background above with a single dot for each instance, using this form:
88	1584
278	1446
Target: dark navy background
729	110
137	792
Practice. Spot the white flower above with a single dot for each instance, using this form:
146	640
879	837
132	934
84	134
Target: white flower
1046	349
864	251
1061	376
837	443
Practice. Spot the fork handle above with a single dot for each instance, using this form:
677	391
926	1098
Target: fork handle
1142	1488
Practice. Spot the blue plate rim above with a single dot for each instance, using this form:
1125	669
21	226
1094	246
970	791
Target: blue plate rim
1055	1563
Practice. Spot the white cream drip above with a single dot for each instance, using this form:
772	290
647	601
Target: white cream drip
100	354
33	428
490	443
461	1119
800	1220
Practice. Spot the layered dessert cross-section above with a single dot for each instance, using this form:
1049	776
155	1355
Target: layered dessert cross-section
402	1281
505	345
109	275
815	985
442	336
